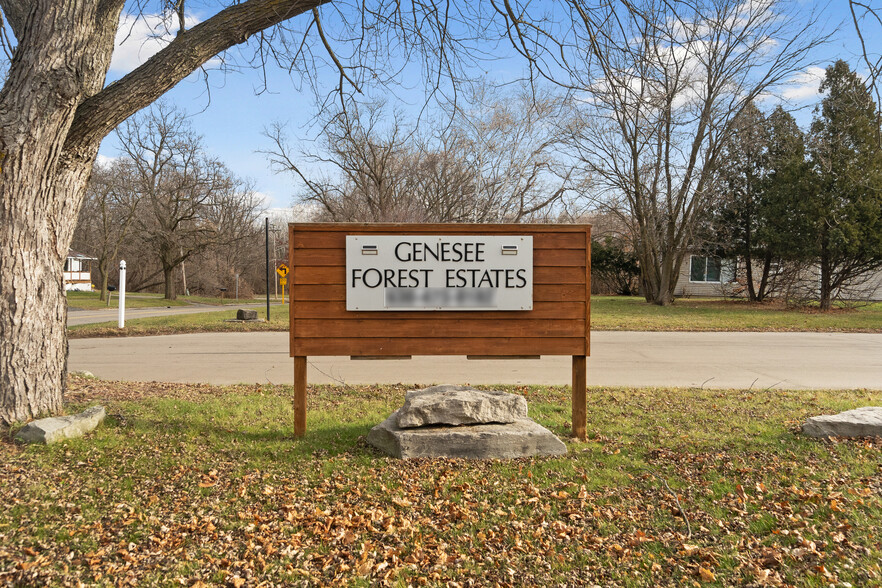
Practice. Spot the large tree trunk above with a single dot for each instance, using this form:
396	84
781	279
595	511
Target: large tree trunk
102	277
54	112
33	308
61	55
658	275
764	281
168	273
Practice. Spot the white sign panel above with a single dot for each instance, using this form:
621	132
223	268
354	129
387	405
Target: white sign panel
449	272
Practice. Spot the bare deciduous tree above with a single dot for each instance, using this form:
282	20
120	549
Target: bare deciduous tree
106	217
867	20
658	85
189	201
55	108
491	161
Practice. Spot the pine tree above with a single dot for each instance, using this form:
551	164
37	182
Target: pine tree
737	219
846	204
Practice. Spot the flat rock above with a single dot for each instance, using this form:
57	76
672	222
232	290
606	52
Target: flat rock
244	314
860	422
459	405
53	429
522	438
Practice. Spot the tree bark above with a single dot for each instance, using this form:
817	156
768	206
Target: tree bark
54	112
764	280
748	259
826	287
102	275
168	274
41	189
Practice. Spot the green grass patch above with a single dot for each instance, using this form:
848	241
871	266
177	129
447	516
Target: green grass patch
90	300
631	313
200	322
203	484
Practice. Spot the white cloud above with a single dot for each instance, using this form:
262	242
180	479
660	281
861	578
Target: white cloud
804	86
138	38
104	160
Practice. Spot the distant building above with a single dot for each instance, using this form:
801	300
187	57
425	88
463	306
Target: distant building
78	272
703	275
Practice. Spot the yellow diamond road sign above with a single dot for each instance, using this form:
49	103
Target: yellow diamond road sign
282	270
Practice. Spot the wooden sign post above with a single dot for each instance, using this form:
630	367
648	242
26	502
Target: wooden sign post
397	290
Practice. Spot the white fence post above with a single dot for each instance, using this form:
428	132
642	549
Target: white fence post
122	294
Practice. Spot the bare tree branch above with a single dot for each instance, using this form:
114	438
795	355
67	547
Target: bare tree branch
16	11
99	114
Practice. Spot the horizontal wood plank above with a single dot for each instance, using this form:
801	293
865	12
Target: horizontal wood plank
336	309
337	275
337	239
541	257
541	292
419	327
439	346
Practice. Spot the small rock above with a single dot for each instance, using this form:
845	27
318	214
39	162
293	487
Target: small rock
860	422
459	405
244	314
53	429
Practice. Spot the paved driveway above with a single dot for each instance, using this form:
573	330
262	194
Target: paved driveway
712	360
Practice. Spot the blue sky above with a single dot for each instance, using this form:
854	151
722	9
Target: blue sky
233	118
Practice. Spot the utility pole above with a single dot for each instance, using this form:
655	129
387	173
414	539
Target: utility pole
275	264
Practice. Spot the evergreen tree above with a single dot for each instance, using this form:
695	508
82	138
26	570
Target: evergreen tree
784	197
762	211
737	220
846	204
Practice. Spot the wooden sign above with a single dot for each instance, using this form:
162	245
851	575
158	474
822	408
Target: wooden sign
548	314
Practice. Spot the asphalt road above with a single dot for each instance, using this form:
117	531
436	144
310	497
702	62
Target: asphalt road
712	360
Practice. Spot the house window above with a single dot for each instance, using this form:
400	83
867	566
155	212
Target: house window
710	269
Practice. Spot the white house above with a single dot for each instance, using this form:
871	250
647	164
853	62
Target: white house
702	275
78	272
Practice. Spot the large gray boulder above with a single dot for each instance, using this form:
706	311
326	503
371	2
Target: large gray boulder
459	405
53	429
521	438
860	422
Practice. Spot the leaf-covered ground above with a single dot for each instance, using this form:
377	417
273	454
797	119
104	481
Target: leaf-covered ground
198	485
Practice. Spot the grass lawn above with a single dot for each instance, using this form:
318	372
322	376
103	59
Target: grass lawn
200	322
200	485
608	313
624	313
90	301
